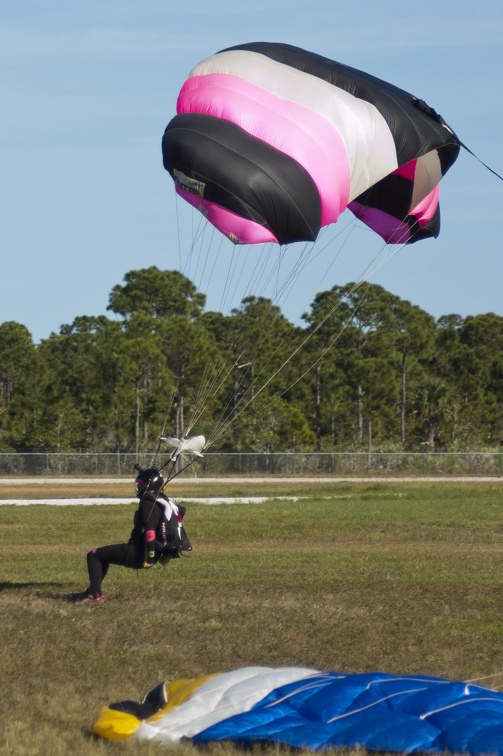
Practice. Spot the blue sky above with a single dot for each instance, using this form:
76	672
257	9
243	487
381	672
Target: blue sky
88	88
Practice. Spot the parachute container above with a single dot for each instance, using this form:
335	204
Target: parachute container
271	143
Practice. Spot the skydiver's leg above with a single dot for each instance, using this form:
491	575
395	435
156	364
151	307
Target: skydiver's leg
98	561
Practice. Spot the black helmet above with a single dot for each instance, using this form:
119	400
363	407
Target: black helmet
148	480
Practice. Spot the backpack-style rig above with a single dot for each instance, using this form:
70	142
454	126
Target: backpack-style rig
170	536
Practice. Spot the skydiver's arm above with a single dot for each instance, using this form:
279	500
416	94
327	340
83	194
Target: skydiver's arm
150	516
137	530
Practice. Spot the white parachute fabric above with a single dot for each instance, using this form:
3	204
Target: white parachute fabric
193	445
223	696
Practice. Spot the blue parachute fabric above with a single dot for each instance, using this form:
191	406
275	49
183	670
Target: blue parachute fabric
455	716
377	711
392	731
476	732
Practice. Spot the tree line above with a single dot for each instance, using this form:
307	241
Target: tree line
366	367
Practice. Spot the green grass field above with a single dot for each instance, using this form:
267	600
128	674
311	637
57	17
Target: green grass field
351	577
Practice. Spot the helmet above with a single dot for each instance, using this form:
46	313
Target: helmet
148	480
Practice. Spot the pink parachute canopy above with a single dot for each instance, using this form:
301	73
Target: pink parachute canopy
271	143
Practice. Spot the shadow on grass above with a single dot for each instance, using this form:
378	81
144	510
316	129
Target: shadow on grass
39	586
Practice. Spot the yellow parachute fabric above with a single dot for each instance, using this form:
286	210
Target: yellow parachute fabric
119	725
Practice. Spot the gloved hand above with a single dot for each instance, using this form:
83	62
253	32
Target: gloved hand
149	559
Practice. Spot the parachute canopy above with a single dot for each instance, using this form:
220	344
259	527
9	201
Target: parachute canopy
306	708
271	143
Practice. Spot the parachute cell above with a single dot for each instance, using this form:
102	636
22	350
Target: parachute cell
306	708
271	143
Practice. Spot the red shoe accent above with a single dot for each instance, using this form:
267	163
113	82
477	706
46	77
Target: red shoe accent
95	599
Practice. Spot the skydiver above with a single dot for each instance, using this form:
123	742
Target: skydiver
153	539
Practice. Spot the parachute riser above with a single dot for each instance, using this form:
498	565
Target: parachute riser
176	474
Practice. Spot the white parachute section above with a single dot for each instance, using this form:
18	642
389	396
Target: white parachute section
192	446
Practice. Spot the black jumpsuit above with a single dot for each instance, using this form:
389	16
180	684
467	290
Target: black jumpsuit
138	553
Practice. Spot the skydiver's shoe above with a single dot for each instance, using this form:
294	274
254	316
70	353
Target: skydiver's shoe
94	598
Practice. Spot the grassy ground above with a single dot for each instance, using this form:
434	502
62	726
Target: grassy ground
356	577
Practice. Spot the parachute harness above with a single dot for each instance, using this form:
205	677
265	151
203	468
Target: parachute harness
193	446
